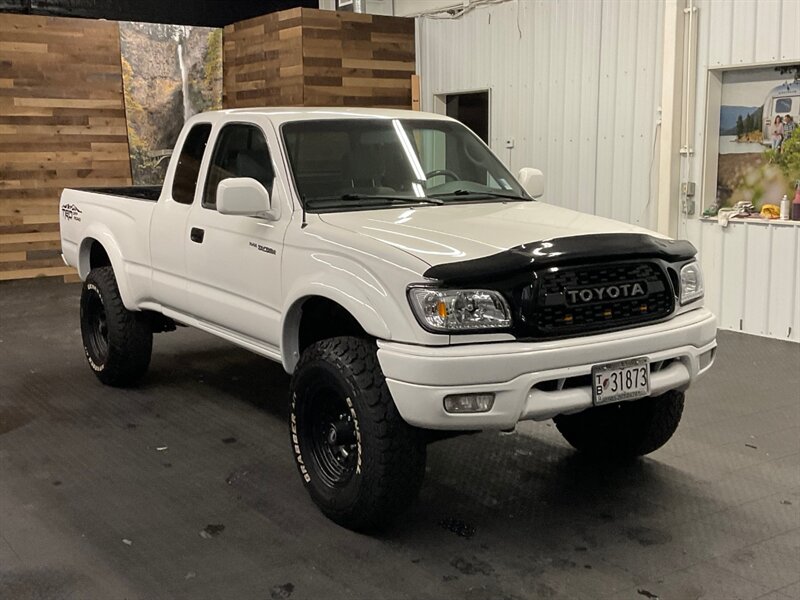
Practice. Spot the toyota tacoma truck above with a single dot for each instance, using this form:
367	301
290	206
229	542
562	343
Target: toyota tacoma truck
411	286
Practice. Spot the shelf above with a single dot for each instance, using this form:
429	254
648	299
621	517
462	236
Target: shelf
753	221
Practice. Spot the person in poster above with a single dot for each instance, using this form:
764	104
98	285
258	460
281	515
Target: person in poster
788	126
777	133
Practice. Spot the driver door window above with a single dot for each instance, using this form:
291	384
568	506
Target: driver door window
241	151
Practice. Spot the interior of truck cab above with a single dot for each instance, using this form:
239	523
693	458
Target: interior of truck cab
240	151
350	159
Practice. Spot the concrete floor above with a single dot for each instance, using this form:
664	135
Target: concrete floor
186	487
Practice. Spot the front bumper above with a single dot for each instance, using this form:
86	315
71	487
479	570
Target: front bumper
534	380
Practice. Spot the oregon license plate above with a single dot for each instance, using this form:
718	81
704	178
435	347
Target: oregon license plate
618	381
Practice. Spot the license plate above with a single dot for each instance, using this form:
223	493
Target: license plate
618	381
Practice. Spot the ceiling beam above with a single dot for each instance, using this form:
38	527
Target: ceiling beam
208	13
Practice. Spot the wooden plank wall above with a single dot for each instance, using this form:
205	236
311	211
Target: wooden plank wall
62	124
308	57
352	59
262	61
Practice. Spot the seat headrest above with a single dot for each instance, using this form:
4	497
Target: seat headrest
252	163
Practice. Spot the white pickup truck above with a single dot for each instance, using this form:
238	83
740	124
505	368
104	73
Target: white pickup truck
405	279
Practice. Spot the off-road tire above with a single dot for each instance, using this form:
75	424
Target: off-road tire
624	430
387	456
117	342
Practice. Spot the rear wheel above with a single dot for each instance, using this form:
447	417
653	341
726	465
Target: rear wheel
360	462
117	342
626	429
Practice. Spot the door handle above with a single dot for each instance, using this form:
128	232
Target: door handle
197	235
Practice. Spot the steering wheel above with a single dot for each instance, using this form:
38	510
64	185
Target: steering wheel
446	173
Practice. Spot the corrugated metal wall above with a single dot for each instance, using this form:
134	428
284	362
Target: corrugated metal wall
753	269
576	84
751	275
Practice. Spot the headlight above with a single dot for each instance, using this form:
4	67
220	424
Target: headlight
459	310
691	283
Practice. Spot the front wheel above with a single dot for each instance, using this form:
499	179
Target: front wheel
627	429
117	342
360	461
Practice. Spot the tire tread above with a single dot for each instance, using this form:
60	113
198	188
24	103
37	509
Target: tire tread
624	430
399	461
130	339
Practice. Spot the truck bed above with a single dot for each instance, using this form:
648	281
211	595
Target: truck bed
121	214
150	193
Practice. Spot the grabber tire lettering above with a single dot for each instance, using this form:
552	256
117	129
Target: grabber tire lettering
362	464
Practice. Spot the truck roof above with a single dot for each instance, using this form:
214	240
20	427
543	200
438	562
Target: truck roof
285	114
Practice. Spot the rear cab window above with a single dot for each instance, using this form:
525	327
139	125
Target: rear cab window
184	182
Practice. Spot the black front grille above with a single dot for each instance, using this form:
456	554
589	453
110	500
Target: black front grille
569	301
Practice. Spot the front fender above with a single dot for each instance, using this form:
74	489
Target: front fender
345	282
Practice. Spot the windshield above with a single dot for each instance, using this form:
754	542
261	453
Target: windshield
347	164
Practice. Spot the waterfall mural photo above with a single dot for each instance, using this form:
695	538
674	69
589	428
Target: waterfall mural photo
169	72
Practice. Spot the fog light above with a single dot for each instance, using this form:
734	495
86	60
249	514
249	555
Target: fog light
707	358
469	403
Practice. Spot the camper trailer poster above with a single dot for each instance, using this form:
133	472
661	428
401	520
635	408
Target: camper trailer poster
757	161
169	73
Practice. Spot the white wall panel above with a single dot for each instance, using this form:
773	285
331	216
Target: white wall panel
718	16
752	275
576	84
628	109
404	8
373	7
794	299
756	272
732	289
789	40
767	15
780	306
743	38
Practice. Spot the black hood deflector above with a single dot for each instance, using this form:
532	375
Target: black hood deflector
565	250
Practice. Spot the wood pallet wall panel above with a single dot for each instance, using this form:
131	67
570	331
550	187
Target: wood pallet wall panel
308	57
62	124
262	61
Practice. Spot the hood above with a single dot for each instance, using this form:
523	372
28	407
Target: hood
455	233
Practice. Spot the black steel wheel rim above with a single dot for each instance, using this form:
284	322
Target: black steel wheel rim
97	338
330	433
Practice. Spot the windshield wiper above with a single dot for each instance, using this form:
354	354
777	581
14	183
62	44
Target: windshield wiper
385	197
366	200
479	195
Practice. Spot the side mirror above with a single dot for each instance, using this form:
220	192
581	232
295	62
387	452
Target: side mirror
243	196
532	181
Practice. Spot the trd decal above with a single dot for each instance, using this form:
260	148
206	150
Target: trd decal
262	248
71	212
